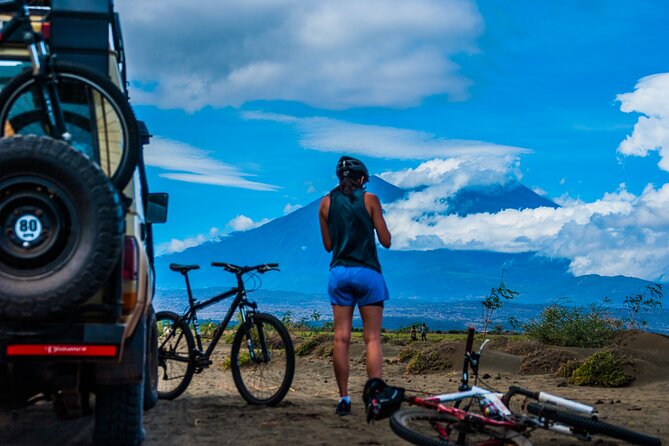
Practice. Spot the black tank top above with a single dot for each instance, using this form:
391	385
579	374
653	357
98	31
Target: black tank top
351	231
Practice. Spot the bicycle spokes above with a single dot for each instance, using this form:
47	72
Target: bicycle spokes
175	364
262	360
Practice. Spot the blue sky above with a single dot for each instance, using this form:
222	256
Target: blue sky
252	102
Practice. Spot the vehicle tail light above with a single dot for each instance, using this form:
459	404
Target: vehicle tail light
130	258
45	29
130	273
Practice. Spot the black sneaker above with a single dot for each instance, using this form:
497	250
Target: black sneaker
343	408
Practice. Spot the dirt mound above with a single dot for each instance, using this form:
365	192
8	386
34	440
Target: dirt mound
544	360
648	351
425	358
641	340
515	347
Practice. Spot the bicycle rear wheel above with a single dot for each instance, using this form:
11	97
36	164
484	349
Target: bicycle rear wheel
175	364
262	360
97	115
593	427
427	427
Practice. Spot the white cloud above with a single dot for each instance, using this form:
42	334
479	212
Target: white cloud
452	174
539	191
331	54
192	165
651	132
621	233
239	223
244	223
288	208
331	135
176	245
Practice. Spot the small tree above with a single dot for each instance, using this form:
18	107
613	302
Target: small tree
315	317
649	299
287	318
495	301
515	324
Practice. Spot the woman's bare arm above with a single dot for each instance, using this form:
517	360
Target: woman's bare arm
373	206
323	213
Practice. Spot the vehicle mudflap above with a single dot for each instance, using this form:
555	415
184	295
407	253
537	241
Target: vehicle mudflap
130	370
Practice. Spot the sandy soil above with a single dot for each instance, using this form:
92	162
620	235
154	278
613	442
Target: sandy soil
212	412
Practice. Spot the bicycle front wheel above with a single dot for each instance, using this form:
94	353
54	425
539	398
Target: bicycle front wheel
175	362
262	360
427	427
97	116
591	426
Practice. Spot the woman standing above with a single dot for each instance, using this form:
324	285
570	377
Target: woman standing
349	216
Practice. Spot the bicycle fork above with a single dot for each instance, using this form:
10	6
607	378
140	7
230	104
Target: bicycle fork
248	322
48	94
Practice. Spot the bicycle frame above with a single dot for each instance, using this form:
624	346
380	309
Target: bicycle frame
240	302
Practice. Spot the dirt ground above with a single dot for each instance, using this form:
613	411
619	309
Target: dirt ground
212	412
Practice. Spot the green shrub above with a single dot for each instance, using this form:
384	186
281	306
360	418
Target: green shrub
573	326
325	350
207	329
244	358
310	344
602	369
566	370
400	341
407	353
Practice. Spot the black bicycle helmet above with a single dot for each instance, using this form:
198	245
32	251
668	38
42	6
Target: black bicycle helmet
351	168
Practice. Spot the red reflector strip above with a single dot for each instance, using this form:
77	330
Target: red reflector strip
61	350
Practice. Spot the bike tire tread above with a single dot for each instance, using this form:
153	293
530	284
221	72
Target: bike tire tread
593	426
237	343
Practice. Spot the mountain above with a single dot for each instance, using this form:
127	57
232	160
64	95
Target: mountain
494	198
294	241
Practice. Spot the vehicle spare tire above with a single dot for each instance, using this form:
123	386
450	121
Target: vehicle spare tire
62	226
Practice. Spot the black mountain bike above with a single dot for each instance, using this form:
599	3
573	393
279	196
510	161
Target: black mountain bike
67	101
262	358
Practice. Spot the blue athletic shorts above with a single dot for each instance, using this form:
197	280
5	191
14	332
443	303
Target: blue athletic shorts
351	285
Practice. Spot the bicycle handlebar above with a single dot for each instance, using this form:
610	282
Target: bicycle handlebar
515	390
263	268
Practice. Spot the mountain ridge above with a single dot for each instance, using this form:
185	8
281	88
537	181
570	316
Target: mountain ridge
294	242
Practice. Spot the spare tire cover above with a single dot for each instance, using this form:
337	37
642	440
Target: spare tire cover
62	226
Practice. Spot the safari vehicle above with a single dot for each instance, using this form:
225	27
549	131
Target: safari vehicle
76	245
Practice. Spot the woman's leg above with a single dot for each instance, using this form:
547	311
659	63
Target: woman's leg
372	316
343	318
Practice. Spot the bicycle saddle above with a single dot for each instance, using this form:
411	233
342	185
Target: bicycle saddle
183	268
